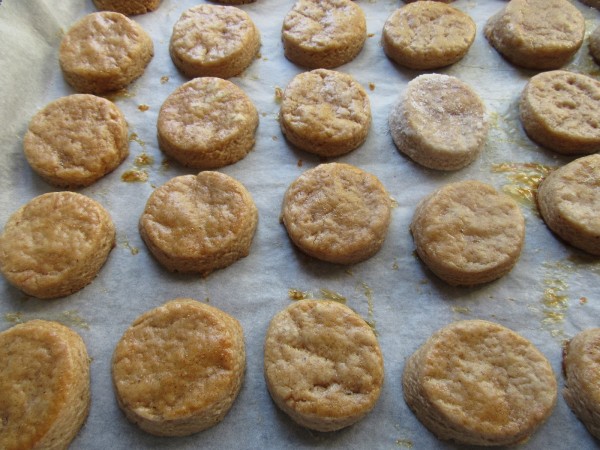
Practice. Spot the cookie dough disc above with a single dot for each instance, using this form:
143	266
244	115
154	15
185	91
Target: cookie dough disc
560	110
468	233
581	363
103	52
569	202
323	364
199	223
439	122
56	244
44	386
537	34
325	112
127	7
214	40
479	383
592	3
337	213
323	33
76	140
594	43
207	123
179	367
427	35
234	2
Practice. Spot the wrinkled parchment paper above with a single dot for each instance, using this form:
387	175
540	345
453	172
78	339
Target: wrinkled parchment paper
551	294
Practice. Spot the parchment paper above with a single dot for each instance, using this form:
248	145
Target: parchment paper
551	294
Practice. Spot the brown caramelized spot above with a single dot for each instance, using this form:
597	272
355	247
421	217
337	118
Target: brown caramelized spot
164	79
134	176
143	107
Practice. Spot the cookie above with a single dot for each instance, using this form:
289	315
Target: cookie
427	35
537	34
214	41
594	43
178	368
76	140
207	123
325	112
559	110
479	383
337	213
592	3
199	223
468	233
581	365
439	122
103	52
56	244
569	202
323	33
323	364
127	7
44	386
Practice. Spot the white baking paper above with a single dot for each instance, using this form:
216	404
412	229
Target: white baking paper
551	294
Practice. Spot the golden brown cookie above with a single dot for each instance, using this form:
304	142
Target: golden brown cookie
594	43
56	244
323	33
325	112
214	40
199	223
427	35
537	34
439	122
323	364
44	386
569	202
103	52
337	213
207	123
468	233
127	7
76	140
479	383
581	365
560	111
178	368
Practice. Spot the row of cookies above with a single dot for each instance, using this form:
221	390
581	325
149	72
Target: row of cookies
178	369
106	51
466	232
207	123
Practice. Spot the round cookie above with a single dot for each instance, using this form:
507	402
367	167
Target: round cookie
427	35
44	386
325	112
104	51
594	43
323	33
207	123
468	233
479	383
337	213
559	110
592	3
127	7
581	366
199	223
56	244
537	34
178	368
76	140
569	202
439	122
323	365
214	40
